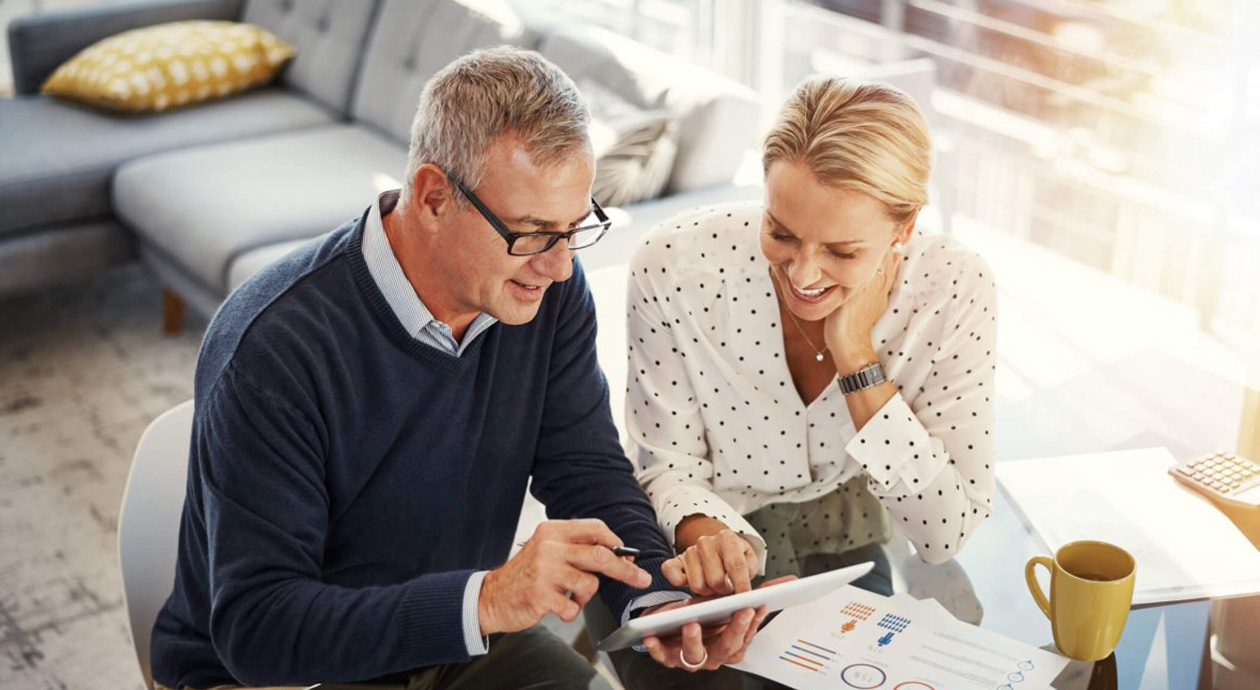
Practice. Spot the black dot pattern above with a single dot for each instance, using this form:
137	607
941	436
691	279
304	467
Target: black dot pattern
717	428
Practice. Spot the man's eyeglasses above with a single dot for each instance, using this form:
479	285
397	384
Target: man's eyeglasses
527	243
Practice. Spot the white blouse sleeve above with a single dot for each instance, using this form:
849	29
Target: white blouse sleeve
931	459
663	417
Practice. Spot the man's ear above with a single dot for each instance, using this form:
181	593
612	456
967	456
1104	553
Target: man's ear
431	193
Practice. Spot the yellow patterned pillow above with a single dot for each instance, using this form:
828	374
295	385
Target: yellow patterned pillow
168	65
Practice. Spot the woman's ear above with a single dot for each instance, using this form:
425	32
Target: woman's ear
906	231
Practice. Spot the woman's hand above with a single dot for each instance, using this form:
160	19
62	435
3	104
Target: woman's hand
717	561
848	328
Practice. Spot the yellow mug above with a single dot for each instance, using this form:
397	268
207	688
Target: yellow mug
1091	591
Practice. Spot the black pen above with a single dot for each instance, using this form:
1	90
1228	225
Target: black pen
617	550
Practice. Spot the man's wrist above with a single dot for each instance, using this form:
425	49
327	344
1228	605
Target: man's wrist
483	606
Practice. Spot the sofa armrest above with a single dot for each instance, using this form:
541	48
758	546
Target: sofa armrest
39	43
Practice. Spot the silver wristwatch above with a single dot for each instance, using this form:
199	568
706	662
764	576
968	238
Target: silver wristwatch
868	376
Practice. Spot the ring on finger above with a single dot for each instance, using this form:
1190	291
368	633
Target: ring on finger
682	657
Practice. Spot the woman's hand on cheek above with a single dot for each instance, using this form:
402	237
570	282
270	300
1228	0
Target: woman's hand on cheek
848	328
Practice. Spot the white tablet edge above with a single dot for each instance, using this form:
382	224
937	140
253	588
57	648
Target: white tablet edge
781	596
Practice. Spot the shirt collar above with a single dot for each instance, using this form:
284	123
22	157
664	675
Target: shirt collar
383	265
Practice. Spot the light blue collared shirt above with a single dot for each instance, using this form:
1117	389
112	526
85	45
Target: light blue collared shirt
401	296
419	322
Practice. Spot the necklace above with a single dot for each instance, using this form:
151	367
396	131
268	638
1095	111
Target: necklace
788	310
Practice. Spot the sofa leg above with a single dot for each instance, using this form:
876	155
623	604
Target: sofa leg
172	312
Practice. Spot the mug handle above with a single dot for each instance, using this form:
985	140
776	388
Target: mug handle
1033	586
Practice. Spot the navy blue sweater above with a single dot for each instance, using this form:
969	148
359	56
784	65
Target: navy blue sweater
345	480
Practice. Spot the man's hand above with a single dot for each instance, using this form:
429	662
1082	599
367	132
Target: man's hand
553	573
715	564
707	649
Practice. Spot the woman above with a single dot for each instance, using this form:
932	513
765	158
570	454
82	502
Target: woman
807	373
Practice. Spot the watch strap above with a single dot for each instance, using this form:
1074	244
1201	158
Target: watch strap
868	376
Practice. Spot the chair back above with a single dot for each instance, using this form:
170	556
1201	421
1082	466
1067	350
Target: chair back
148	525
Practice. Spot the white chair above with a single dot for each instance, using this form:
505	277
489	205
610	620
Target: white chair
148	525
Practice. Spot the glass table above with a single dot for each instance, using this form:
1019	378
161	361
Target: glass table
1162	647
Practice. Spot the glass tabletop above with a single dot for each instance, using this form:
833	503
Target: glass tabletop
1162	647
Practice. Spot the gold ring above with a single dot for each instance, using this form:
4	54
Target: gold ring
690	666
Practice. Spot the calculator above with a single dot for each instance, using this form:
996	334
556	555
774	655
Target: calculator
1222	476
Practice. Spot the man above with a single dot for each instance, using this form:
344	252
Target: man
370	408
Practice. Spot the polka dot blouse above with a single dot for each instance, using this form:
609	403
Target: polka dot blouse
717	428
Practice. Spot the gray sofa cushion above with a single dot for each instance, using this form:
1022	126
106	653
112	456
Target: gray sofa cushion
329	37
717	118
411	41
58	156
202	207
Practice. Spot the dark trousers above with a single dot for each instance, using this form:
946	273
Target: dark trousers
533	659
639	671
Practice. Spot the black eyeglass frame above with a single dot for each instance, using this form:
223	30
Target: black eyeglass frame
511	237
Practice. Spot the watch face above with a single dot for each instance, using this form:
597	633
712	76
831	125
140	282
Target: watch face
866	377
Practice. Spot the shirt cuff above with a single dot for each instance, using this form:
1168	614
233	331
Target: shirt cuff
473	639
687	499
893	447
648	601
651	599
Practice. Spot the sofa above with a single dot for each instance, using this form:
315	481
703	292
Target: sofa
206	195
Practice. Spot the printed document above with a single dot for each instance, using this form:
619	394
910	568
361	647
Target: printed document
856	639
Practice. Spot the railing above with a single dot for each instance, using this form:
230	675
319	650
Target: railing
1084	150
1134	148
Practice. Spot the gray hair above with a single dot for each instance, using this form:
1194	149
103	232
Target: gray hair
482	95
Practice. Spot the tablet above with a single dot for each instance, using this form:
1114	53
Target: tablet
720	610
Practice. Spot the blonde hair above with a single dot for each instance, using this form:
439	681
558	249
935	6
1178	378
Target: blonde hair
485	94
865	136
